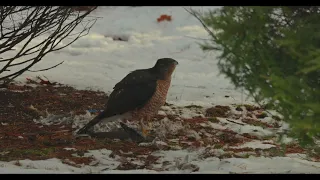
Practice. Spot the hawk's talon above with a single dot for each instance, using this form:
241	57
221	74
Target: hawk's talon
145	132
144	129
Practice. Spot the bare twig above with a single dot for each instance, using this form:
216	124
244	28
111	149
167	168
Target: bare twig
197	38
235	122
22	25
47	68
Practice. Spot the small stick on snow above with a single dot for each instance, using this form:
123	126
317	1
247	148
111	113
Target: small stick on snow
235	122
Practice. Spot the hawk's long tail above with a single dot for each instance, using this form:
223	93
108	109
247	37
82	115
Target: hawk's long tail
93	122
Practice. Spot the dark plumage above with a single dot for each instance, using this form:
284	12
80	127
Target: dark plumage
140	88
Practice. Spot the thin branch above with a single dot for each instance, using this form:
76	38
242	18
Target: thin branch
235	122
197	38
24	24
47	68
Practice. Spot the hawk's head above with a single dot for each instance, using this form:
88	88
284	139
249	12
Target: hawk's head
165	67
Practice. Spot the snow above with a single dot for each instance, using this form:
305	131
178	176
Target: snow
188	114
286	140
98	62
255	145
258	165
210	165
175	161
242	129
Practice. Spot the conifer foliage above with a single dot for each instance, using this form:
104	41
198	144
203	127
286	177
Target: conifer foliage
274	54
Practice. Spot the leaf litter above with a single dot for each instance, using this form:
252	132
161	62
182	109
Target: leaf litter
38	123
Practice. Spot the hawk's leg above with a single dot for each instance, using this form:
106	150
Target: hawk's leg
149	123
144	129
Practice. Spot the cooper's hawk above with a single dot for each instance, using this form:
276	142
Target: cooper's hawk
140	95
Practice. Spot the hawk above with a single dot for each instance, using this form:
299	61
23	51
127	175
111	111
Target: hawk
139	95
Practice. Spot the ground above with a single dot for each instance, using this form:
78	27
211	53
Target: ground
36	126
206	126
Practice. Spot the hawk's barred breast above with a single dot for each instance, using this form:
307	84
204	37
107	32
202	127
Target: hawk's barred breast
157	100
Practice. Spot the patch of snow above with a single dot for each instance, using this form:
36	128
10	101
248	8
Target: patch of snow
187	113
286	140
254	144
169	111
217	126
268	120
138	171
166	126
249	129
275	113
213	152
183	102
258	165
174	155
54	165
54	119
103	159
166	108
171	162
297	155
45	166
17	170
192	133
162	113
70	149
242	165
284	127
99	60
253	130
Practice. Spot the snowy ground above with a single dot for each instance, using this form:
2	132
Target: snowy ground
98	62
187	142
283	165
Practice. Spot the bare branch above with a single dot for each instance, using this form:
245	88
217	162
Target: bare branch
198	17
47	68
24	26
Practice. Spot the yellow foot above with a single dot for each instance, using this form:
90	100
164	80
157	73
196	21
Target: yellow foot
145	132
145	129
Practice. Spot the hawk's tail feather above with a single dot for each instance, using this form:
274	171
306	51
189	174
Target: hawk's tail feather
94	121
